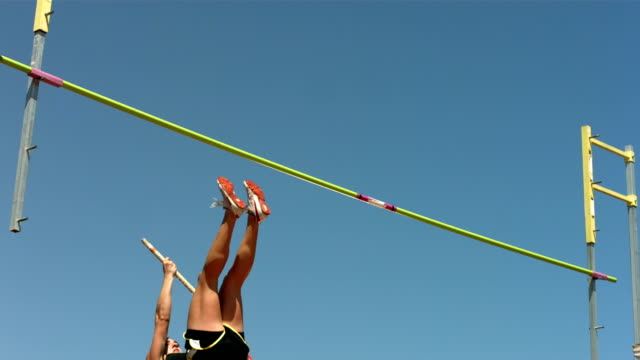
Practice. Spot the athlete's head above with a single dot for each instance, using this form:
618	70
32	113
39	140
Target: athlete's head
172	346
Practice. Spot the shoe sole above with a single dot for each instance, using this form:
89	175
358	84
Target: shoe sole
227	186
258	192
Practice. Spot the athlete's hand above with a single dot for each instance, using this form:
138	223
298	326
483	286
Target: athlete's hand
169	267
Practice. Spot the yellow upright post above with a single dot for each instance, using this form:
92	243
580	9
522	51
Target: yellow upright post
590	231
43	12
587	178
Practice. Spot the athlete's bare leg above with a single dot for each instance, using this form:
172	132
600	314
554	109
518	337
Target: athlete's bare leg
230	292
204	311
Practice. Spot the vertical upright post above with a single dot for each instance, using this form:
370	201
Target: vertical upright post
40	28
633	242
593	304
590	231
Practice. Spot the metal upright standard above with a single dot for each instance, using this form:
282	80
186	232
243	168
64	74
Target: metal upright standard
633	243
590	229
40	28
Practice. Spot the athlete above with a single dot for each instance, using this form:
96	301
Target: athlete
215	328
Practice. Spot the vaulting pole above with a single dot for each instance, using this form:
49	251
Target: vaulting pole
159	256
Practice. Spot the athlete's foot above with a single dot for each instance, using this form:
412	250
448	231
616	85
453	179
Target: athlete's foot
257	206
230	201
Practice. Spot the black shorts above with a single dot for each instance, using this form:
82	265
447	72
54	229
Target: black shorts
227	344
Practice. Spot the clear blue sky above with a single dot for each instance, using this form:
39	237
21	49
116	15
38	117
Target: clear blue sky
465	112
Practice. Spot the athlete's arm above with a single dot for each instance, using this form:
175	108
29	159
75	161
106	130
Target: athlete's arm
163	312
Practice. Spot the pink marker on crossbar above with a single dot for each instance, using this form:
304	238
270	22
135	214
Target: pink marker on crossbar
598	275
376	202
46	77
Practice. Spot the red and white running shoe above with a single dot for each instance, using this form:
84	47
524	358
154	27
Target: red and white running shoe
257	205
231	201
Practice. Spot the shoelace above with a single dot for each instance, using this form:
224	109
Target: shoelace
220	203
217	203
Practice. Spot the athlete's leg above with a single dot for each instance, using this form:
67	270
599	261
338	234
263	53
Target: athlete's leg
230	292
205	311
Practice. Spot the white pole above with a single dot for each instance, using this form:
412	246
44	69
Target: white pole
157	253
